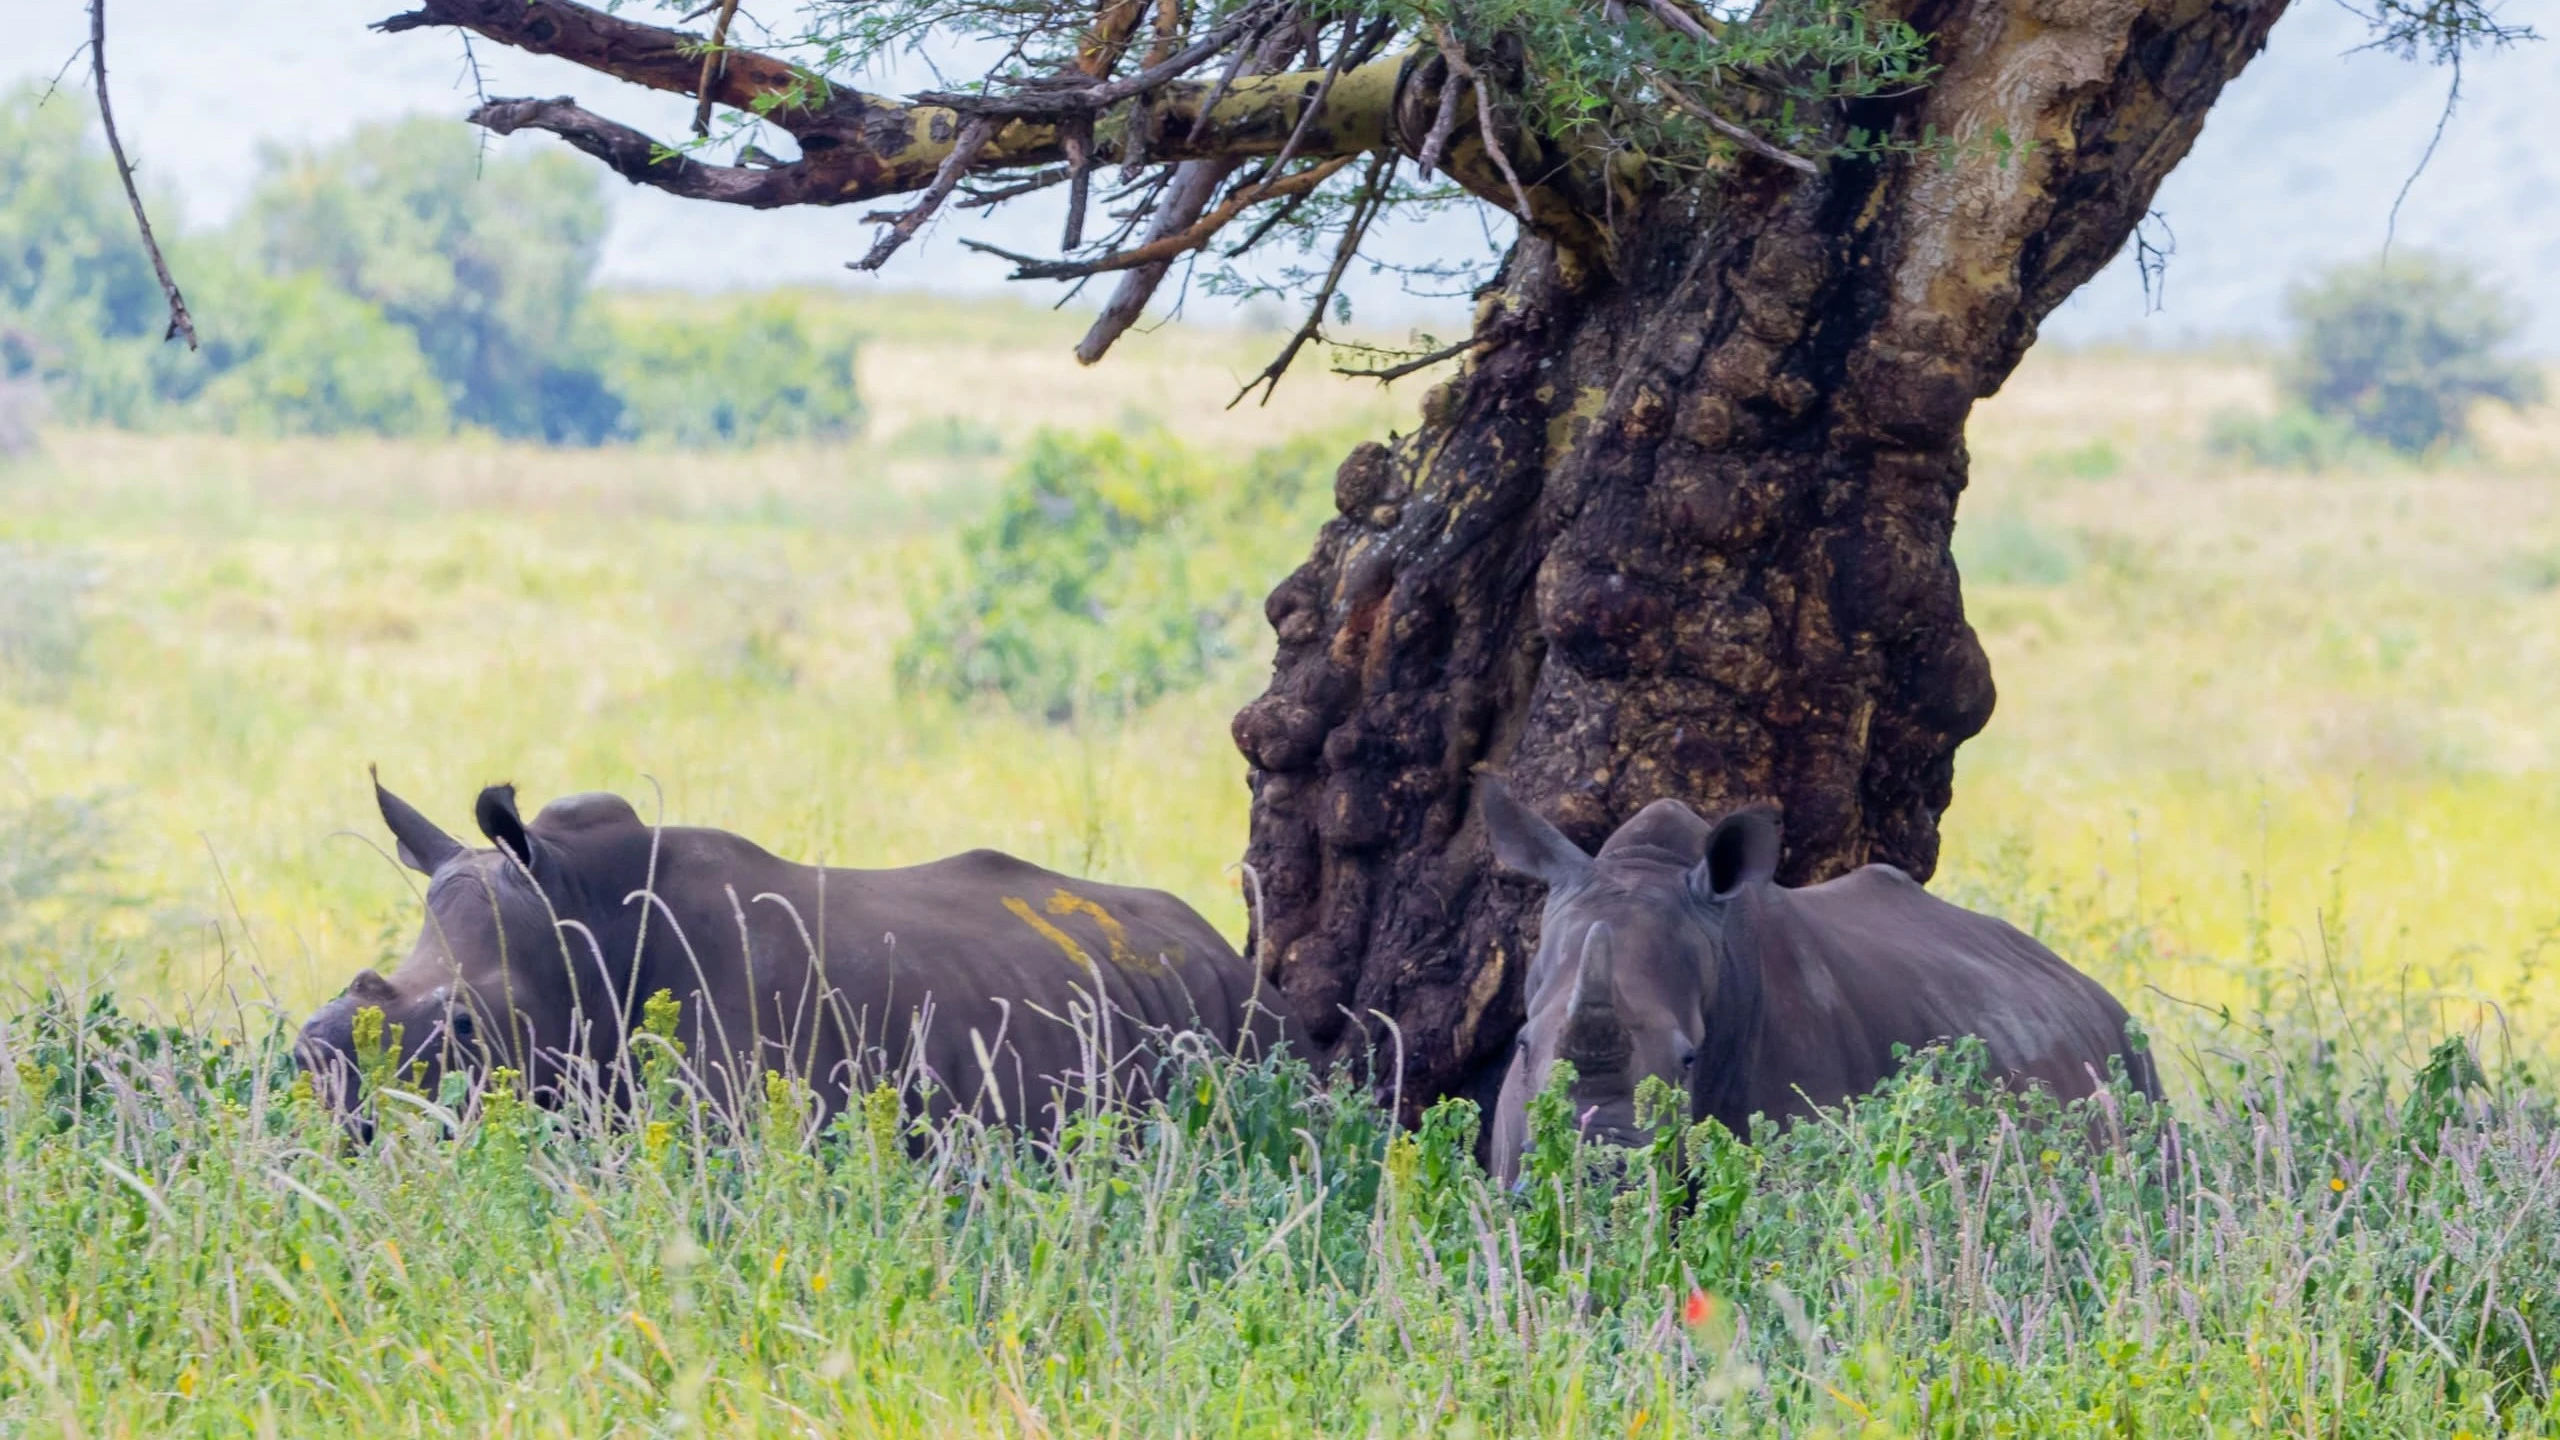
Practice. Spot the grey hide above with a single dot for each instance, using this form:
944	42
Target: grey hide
972	980
1674	952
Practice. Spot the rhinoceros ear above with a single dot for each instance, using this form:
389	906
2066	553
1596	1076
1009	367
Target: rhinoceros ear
1742	849
496	812
1524	841
422	847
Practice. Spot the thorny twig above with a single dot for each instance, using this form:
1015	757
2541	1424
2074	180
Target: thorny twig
1387	374
715	59
181	324
1735	133
1373	198
1172	246
1459	69
1194	183
1437	138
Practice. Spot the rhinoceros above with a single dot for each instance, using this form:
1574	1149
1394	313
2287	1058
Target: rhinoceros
1674	952
979	982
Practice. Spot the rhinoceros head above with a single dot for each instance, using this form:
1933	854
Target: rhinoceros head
495	974
1631	960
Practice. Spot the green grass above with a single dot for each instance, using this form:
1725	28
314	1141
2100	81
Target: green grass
2274	758
2312	1250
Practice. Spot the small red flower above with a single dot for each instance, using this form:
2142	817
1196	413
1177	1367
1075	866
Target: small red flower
1698	1310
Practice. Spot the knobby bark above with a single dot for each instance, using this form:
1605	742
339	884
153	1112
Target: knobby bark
1682	526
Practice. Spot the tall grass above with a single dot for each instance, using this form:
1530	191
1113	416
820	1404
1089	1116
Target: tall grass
2299	1249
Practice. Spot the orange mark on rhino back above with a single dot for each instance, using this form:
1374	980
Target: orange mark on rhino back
1124	956
1022	911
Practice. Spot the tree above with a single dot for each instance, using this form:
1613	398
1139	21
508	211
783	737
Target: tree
486	262
2402	349
78	304
1679	525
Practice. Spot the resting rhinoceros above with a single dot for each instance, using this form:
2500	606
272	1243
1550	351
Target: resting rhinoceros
979	982
1674	952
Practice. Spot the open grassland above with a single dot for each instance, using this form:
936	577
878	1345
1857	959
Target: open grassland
2280	743
2306	720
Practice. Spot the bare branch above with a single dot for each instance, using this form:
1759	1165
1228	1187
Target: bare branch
643	161
181	324
1108	38
1459	69
1194	183
1174	246
1351	37
1056	101
986	199
1487	131
973	139
1436	143
1669	13
647	55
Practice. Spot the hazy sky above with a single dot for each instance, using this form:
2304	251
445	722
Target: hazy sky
2297	168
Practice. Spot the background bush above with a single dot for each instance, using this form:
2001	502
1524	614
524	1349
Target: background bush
2399	351
79	310
732	370
485	259
400	282
1112	570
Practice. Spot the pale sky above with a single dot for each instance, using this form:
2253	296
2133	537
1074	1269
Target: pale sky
2297	168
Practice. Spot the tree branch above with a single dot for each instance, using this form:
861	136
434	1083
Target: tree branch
972	140
181	324
715	58
643	161
857	147
1171	247
1195	182
647	55
1735	133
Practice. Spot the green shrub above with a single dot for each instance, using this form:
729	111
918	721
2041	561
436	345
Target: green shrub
2006	548
734	372
80	312
1113	570
2401	350
2293	438
299	356
486	260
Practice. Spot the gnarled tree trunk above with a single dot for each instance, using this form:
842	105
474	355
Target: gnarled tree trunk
1682	528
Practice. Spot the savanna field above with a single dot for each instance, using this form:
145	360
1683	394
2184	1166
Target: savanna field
2275	758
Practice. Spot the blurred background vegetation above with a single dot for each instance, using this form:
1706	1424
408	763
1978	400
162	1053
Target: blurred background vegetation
398	283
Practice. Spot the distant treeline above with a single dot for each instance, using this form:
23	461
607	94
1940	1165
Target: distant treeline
401	283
